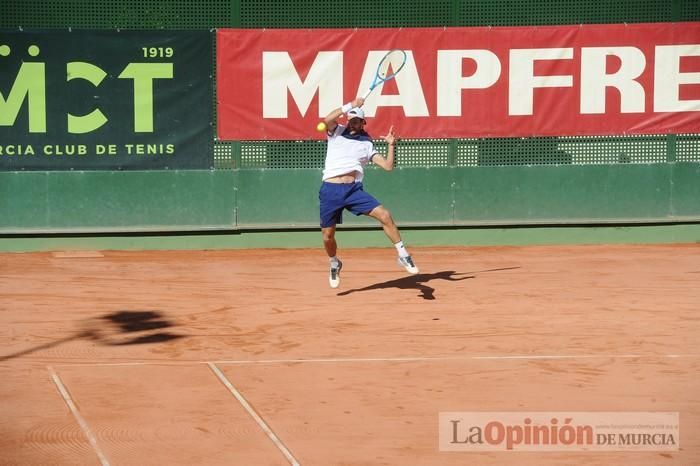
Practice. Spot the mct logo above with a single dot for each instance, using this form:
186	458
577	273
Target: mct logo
30	86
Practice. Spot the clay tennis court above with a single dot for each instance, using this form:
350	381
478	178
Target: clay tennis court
247	357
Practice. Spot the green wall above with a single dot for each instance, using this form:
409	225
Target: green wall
95	201
60	202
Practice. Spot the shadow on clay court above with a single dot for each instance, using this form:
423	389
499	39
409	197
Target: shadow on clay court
418	282
135	328
414	282
116	329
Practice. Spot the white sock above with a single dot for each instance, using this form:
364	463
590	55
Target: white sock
401	249
334	261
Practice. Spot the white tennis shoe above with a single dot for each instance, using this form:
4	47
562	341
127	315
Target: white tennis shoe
334	275
407	263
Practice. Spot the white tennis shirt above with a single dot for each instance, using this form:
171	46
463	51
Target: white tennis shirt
347	153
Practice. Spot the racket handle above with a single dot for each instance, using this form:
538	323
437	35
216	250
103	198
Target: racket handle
369	91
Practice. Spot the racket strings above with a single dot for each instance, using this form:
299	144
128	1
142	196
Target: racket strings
391	64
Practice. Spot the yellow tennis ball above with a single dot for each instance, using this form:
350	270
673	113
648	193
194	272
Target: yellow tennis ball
321	127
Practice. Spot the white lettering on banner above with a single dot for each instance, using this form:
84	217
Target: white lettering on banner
280	77
595	80
410	91
280	80
523	81
668	78
449	72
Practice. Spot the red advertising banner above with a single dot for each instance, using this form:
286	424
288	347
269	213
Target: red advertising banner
463	82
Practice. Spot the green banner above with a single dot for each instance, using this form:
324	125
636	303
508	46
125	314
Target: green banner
95	100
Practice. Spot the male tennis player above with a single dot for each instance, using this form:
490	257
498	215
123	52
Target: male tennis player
350	148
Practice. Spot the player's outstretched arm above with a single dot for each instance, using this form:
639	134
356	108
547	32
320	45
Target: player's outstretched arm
388	162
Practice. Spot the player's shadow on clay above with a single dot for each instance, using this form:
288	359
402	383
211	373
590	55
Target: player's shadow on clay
418	282
414	282
119	328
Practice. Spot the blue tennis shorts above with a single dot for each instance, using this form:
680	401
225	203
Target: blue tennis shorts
334	197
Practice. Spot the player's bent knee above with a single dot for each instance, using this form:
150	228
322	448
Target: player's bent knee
328	236
383	215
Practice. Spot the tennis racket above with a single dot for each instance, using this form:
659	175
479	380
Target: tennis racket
388	67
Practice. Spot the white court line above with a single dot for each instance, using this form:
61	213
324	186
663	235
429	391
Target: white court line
458	358
278	443
390	359
81	421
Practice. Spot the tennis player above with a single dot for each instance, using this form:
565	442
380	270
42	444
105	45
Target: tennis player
350	148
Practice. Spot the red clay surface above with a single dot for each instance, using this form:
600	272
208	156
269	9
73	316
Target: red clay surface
353	376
